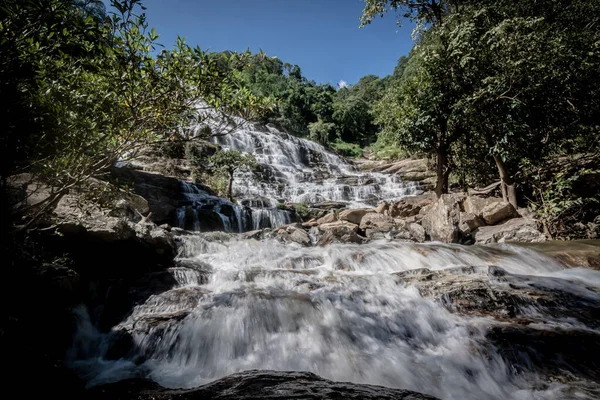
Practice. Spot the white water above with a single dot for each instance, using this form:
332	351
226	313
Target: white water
337	311
302	171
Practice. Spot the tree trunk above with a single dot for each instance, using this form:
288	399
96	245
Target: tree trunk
442	172
507	186
230	187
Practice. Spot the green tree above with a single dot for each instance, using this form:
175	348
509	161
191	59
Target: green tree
229	162
99	92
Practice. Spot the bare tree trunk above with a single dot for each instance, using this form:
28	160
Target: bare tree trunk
507	186
442	171
230	187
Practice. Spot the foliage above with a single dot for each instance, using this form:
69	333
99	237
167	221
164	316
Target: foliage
388	152
347	149
228	162
321	131
302	211
500	87
89	91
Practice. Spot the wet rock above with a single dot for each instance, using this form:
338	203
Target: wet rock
257	234
355	215
255	384
571	253
498	211
517	229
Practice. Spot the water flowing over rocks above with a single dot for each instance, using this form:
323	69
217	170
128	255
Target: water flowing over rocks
297	170
451	321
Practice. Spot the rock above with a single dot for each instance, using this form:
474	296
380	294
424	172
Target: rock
517	229
339	228
498	211
382	208
410	206
417	232
475	204
301	237
378	222
328	218
355	215
468	222
256	234
162	193
90	223
255	384
442	219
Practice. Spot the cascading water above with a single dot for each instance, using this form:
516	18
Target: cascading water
339	311
302	171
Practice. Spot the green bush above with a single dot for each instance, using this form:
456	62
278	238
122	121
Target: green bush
347	149
380	151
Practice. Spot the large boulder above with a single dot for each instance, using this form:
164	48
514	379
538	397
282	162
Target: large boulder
517	229
498	211
328	218
293	233
442	219
380	222
354	216
339	228
475	204
411	206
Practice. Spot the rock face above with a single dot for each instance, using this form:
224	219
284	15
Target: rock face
120	223
517	229
255	384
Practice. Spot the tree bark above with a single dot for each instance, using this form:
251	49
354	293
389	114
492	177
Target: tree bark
507	186
230	187
442	171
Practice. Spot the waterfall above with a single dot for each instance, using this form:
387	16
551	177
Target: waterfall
301	171
342	312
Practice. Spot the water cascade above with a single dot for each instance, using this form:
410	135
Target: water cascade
349	313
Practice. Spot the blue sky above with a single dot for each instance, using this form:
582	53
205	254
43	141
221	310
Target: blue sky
321	36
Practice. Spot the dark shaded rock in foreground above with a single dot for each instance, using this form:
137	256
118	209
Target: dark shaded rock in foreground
256	384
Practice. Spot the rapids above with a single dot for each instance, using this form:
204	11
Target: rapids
338	311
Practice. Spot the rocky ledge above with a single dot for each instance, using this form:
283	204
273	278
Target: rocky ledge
453	218
255	384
